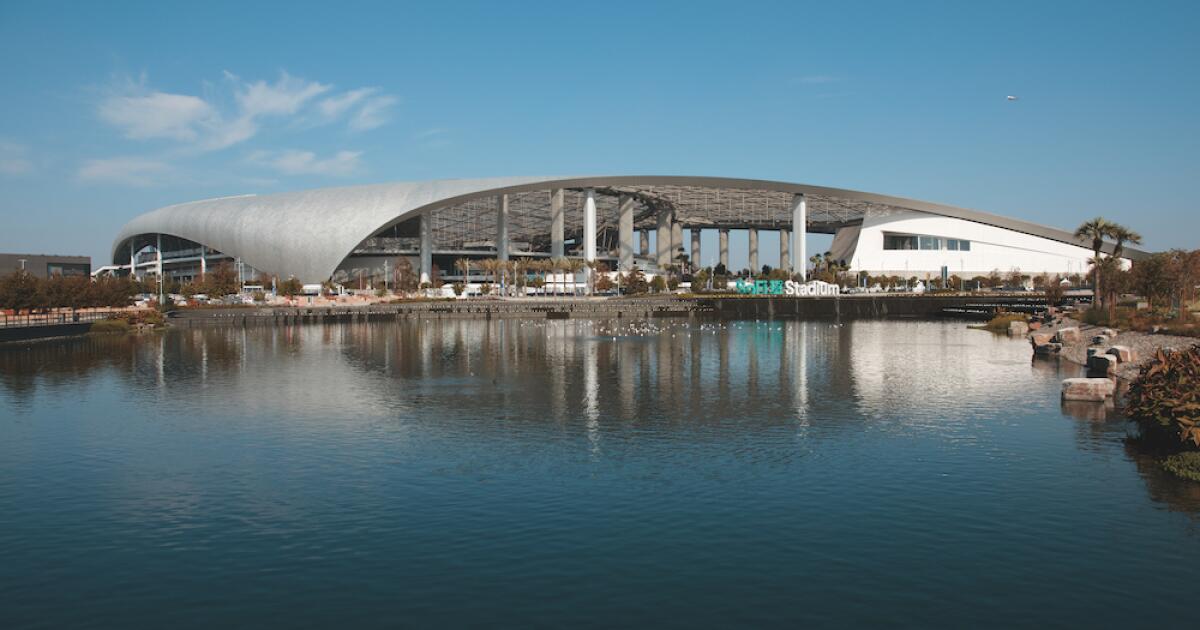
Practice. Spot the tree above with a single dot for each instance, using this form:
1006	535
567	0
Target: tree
1155	278
463	265
405	277
604	284
290	287
1053	289
1097	230
659	284
1121	235
221	280
19	291
635	282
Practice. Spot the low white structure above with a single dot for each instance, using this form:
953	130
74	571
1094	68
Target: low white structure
907	243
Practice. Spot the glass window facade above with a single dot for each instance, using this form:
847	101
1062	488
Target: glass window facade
899	241
926	242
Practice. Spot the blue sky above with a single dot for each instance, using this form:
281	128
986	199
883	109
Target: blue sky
110	111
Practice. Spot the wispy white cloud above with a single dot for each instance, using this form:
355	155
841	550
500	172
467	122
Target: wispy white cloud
284	97
375	112
158	115
127	171
334	106
227	114
198	124
292	162
14	160
434	137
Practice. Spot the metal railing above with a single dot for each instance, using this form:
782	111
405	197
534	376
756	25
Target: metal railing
56	318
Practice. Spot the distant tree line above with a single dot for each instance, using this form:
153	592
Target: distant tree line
22	291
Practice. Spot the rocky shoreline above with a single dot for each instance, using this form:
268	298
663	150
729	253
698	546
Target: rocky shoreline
1142	346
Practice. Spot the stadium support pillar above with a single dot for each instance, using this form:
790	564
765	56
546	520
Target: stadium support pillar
203	261
676	238
132	261
696	248
799	233
502	227
662	240
589	225
785	245
158	254
752	233
625	234
723	248
557	222
426	248
644	243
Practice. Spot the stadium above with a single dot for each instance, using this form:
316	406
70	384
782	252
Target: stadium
334	234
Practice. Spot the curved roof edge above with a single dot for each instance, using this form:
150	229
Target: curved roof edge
308	233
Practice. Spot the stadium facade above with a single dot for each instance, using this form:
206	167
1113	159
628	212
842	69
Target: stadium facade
343	233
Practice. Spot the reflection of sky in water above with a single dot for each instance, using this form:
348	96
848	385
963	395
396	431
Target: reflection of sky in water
683	471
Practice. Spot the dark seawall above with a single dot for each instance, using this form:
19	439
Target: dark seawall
854	306
841	307
29	333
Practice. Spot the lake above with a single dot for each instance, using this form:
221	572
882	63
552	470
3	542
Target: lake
671	473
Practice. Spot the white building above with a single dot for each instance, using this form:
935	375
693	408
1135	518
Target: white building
907	243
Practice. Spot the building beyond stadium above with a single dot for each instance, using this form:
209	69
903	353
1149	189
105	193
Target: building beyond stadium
344	233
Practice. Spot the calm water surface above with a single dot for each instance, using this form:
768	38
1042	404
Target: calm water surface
531	473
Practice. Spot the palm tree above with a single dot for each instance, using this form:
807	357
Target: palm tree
1096	230
488	265
1121	235
574	265
464	265
557	266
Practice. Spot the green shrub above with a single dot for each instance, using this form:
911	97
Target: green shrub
110	326
1165	396
1122	317
1000	322
1184	465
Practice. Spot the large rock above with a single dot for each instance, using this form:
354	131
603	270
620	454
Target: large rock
1124	354
1041	339
1018	329
1087	389
1070	334
1047	349
1101	364
1100	340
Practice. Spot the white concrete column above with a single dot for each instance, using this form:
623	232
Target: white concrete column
557	223
799	234
785	244
662	240
589	225
426	248
696	247
203	261
132	261
723	247
676	239
644	243
502	227
158	251
625	234
752	233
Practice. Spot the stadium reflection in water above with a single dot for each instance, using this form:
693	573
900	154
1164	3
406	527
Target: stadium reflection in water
561	472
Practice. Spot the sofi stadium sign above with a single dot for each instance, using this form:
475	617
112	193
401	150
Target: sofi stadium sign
786	287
